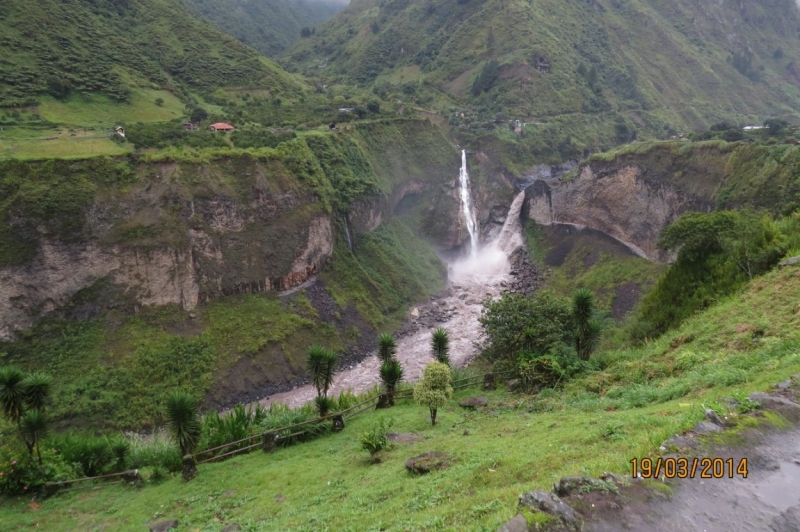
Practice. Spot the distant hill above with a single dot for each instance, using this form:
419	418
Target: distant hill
269	26
659	63
108	47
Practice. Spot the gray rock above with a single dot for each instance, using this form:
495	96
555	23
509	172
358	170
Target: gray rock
513	385
704	427
680	442
713	417
569	485
425	463
232	528
163	526
516	524
549	503
772	402
403	437
785	385
794	261
788	521
474	402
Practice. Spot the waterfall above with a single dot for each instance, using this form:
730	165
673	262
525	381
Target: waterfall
510	237
347	233
466	205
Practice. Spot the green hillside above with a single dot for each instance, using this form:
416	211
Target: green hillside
117	47
269	26
618	67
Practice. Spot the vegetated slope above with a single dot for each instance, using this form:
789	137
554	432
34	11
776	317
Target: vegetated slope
595	424
660	65
109	47
184	258
269	26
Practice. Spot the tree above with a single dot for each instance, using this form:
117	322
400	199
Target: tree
488	75
517	323
183	419
391	375
12	393
434	390
198	114
440	343
305	32
386	347
775	126
321	364
698	235
159	102
374	106
588	329
34	427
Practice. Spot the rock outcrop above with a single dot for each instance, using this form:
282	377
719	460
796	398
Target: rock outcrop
620	202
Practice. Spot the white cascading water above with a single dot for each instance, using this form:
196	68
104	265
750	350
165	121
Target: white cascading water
347	233
466	206
510	237
483	273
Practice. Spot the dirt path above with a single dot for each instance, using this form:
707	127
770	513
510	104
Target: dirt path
768	499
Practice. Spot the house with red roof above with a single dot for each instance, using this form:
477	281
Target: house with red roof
220	126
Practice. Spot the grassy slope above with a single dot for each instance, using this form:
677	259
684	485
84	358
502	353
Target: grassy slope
597	423
269	26
661	67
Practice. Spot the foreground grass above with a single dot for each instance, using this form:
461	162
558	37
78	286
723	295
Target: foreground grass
595	424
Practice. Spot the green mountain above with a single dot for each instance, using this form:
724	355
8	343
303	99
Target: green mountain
269	26
110	47
650	65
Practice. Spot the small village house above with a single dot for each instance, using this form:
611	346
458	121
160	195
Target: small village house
221	126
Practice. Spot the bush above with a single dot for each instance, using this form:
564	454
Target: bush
375	439
434	390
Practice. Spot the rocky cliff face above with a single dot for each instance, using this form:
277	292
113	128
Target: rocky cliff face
625	200
186	233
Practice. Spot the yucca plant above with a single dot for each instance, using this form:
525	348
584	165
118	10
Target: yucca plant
183	419
440	343
12	393
321	364
36	389
34	427
386	347
587	333
324	405
391	375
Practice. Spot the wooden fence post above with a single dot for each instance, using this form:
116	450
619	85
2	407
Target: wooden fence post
384	401
338	423
488	382
269	442
135	478
189	468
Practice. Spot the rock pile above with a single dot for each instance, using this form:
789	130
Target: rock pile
526	275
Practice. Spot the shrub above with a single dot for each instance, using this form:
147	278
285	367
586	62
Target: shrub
92	455
375	439
434	390
540	372
23	475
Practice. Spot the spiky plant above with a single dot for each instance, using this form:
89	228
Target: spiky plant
321	364
587	330
183	419
323	404
34	427
36	390
391	375
12	393
386	347
440	342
